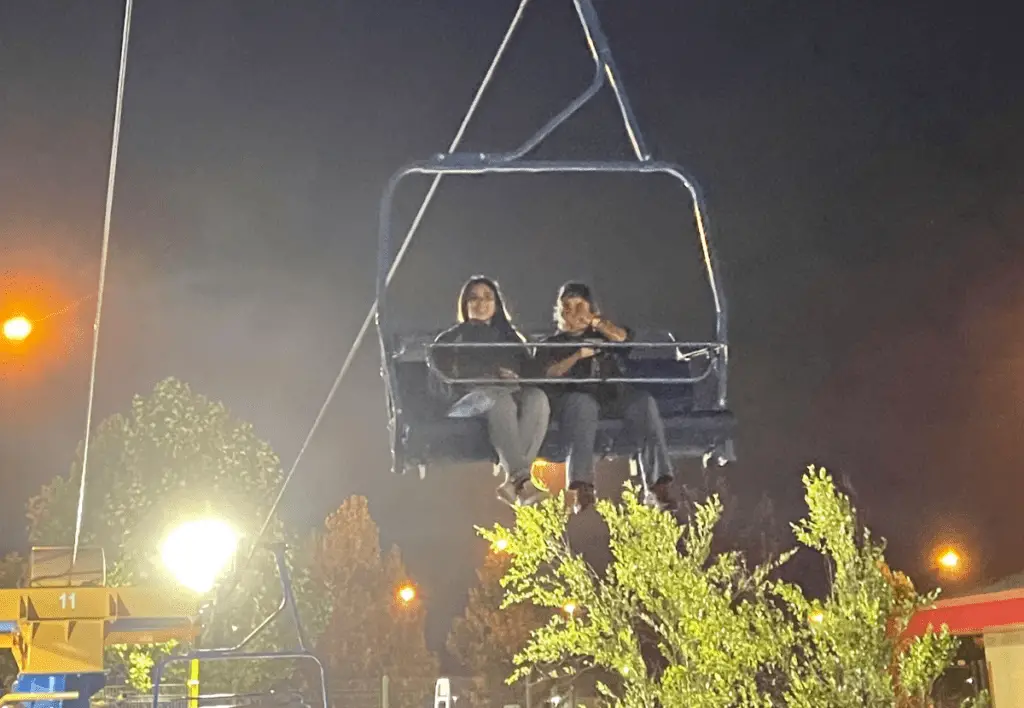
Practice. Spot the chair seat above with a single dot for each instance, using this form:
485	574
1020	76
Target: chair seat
459	440
423	434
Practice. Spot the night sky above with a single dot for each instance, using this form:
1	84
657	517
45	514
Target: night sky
863	164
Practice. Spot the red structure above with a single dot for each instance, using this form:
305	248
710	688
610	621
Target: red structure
997	615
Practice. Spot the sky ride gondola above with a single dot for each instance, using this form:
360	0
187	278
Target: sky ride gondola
687	379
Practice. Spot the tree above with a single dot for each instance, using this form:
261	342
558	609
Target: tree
674	624
371	633
178	455
486	638
852	652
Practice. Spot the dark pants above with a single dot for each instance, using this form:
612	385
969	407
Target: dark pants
578	415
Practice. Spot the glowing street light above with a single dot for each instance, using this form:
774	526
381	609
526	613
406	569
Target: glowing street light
817	617
407	593
570	608
198	551
501	545
17	329
949	560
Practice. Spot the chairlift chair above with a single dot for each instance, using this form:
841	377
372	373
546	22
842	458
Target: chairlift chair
687	379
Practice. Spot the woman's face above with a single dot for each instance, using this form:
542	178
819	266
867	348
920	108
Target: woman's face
480	302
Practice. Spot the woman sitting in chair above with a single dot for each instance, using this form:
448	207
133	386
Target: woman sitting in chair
517	416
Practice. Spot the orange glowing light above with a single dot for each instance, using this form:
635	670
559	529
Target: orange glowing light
950	559
407	593
17	329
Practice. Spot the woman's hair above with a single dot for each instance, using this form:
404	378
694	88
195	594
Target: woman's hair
501	319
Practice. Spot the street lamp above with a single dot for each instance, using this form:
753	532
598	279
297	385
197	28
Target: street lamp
406	593
949	560
198	551
17	329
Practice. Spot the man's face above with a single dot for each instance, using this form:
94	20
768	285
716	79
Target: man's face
574	314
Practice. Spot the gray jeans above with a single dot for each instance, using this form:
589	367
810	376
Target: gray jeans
517	425
578	416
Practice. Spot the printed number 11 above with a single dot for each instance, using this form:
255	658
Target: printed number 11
67	600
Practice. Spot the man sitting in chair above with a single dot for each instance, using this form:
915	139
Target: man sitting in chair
579	407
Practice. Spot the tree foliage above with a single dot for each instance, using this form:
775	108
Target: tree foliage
371	633
174	456
675	624
486	638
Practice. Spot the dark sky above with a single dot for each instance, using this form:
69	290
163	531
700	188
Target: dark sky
862	160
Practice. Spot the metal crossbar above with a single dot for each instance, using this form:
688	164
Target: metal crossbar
563	380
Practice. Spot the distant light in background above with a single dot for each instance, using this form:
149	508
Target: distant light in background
41	323
501	545
950	560
17	329
407	593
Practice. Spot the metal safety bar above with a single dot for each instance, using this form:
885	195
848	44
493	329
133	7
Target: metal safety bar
230	655
563	380
235	652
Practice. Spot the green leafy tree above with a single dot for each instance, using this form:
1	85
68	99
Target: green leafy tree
715	638
486	638
673	623
371	633
852	651
177	455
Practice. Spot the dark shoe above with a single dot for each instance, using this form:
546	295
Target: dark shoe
529	493
661	497
585	498
521	491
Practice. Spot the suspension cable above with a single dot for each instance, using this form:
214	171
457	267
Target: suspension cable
111	178
413	227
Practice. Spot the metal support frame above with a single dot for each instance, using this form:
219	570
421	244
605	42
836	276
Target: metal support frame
464	163
236	653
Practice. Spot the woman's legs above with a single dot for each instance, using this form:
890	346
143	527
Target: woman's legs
503	429
534	415
516	431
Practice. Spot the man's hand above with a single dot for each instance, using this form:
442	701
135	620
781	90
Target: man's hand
586	352
504	373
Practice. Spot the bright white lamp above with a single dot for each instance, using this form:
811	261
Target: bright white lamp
198	551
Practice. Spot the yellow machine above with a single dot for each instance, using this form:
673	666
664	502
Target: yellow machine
59	624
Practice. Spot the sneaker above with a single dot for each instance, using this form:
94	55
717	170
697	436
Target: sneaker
660	497
473	404
585	498
520	491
